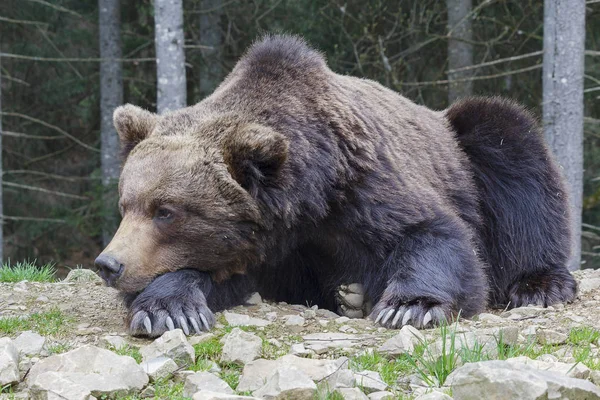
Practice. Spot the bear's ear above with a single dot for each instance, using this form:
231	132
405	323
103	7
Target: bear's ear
133	125
255	155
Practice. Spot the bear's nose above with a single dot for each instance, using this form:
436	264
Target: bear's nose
110	268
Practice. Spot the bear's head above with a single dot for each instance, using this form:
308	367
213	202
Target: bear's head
190	192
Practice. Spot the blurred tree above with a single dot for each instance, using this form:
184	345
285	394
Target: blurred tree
111	96
460	48
170	56
563	72
211	42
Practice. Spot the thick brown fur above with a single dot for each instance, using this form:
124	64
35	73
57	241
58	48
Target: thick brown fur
290	180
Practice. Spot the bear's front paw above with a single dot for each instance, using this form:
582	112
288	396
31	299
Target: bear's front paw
420	313
152	316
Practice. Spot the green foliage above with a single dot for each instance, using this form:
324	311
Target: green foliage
28	271
128	350
45	323
389	369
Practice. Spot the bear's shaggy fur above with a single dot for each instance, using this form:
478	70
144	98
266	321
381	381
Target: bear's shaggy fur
292	180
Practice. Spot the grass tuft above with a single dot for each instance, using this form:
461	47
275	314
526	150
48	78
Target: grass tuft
45	323
27	271
128	350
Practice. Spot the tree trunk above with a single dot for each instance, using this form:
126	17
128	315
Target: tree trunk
1	176
460	47
564	45
170	56
111	96
212	39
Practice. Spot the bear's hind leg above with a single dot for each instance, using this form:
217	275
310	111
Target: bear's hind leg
543	289
434	274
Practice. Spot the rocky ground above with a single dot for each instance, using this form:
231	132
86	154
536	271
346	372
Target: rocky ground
66	340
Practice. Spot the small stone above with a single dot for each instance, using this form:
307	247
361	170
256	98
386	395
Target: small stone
206	395
352	394
309	314
9	363
234	319
275	342
254	300
370	381
435	395
288	383
82	275
172	344
201	381
588	285
299	350
159	368
324	313
491	318
549	363
116	342
342	320
197	339
42	299
381	396
404	342
547	336
241	347
294	320
29	343
148	392
342	378
271	316
347	329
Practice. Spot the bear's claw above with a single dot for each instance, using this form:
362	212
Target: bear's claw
416	315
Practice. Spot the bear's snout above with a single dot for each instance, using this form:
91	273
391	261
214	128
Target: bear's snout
110	269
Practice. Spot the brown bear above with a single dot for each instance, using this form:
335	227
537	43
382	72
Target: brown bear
290	180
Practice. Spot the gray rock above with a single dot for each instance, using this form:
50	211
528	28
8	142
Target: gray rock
475	381
116	342
241	347
234	319
299	350
381	396
9	363
201	381
309	314
254	300
100	371
547	336
343	378
588	285
572	370
206	395
492	318
294	320
404	342
82	275
256	373
352	394
288	383
29	343
323	342
435	395
370	381
172	344
159	368
53	385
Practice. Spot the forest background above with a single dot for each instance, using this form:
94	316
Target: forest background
65	65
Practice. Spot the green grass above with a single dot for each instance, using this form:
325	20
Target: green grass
389	369
45	323
583	336
128	350
164	390
28	271
209	350
58	348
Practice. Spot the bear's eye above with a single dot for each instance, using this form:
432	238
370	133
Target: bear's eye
163	213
